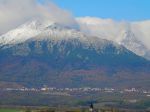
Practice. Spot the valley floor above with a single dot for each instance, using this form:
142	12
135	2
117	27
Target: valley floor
129	99
67	109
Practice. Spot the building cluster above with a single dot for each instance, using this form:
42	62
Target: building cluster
84	89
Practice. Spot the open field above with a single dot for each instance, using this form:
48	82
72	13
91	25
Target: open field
64	100
75	99
9	110
69	109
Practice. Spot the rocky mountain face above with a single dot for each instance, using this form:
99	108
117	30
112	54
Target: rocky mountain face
37	54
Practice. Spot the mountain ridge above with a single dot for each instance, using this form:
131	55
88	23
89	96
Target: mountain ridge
135	33
60	56
126	32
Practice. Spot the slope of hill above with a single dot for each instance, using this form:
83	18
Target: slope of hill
36	54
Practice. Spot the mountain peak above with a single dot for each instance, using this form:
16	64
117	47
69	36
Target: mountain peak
36	24
35	28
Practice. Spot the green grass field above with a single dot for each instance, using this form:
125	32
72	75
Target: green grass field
9	110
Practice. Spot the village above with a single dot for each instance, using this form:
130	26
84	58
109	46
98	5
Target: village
102	98
84	89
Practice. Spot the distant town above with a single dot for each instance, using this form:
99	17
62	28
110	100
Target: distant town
69	91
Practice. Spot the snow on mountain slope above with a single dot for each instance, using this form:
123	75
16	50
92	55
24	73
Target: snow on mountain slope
142	29
24	32
123	33
42	30
39	29
132	35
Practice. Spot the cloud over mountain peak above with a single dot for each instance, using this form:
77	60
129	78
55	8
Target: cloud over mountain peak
13	15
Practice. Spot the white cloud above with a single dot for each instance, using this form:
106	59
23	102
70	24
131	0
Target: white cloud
15	12
115	30
103	28
143	31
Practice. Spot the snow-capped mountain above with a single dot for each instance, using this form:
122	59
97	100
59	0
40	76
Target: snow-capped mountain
48	30
24	32
130	41
132	35
37	29
123	33
45	52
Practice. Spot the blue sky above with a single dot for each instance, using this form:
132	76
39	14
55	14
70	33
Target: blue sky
130	10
